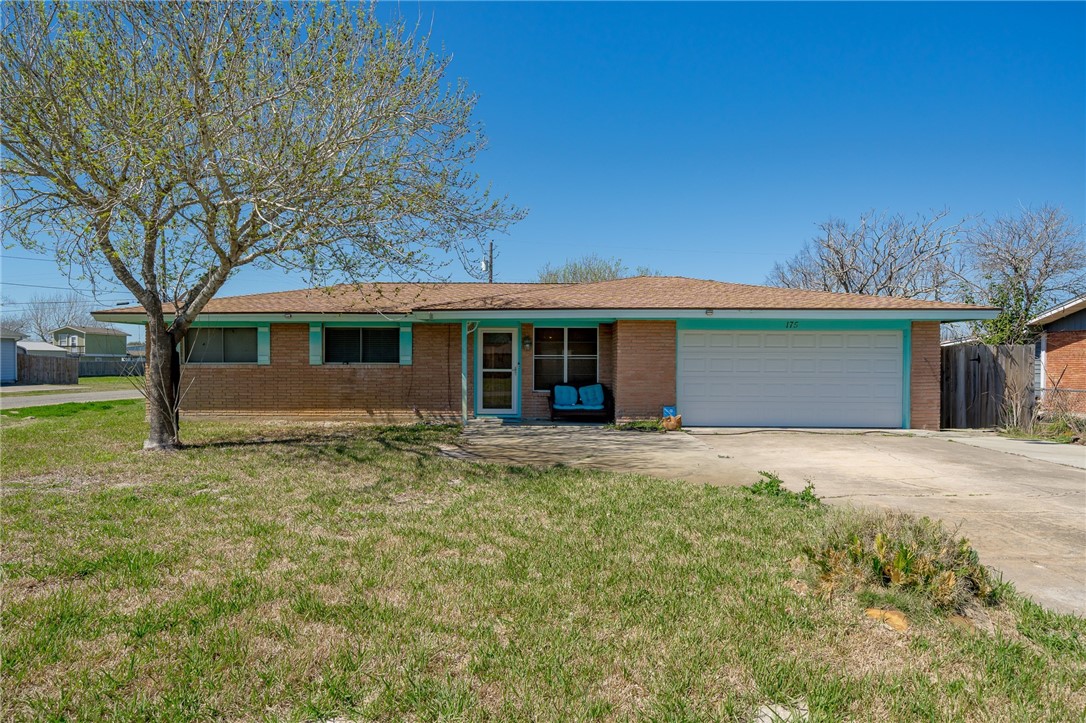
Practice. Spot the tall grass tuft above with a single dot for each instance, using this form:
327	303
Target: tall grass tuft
899	551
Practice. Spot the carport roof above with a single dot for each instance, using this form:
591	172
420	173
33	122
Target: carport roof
636	293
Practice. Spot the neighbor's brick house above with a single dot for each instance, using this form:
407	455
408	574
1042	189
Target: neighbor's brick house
1062	355
724	354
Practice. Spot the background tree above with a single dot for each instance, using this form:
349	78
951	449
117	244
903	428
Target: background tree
45	312
164	146
1024	263
881	255
590	267
13	317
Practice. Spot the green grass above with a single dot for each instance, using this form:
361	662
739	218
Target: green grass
304	572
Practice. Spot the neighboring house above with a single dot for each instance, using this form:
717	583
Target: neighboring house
41	348
1062	354
724	354
91	342
136	349
9	356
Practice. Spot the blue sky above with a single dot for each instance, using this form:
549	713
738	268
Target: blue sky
708	140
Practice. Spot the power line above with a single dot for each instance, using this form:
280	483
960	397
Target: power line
42	286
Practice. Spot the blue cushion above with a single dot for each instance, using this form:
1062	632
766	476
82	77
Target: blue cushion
567	407
592	396
578	408
565	396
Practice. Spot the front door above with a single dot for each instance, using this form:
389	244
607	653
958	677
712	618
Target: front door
496	376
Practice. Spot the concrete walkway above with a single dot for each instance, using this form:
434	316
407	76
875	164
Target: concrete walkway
43	400
670	456
1069	455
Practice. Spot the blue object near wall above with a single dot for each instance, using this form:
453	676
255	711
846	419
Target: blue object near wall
670	412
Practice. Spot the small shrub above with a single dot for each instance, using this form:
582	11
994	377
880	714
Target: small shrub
771	486
898	551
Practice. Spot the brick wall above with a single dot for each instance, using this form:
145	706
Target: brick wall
427	389
1065	361
644	368
925	376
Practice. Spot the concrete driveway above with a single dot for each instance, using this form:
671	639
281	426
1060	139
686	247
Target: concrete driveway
1025	515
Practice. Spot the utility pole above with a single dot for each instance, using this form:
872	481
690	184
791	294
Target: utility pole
490	264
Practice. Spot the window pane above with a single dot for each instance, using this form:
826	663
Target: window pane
239	345
549	342
203	346
497	390
582	371
548	372
582	342
342	346
381	346
497	350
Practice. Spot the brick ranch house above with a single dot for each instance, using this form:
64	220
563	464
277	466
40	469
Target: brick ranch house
724	354
1062	354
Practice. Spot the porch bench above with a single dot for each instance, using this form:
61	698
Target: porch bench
568	402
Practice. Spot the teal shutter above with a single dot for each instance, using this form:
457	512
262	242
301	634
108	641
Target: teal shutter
316	352
263	345
405	344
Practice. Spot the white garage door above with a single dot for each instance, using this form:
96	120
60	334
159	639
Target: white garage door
790	378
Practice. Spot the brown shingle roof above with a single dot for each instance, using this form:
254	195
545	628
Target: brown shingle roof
640	292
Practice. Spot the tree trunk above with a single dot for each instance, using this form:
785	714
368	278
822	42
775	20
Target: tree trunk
163	385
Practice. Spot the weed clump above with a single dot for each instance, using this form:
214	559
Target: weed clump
902	552
771	486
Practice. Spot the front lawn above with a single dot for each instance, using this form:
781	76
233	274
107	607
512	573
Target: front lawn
305	572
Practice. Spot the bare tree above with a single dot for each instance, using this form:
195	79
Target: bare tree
590	267
163	146
13	317
44	313
1023	263
881	255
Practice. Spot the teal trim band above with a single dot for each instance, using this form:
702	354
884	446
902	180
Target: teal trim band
571	323
362	324
906	376
316	345
405	345
263	345
229	325
787	324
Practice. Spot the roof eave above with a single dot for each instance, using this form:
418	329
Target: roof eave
1063	310
942	315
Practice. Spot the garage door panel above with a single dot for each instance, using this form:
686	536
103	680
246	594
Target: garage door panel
828	379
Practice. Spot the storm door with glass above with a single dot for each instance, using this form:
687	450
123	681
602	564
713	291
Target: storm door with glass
496	377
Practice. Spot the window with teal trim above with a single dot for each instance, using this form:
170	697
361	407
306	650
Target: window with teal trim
565	356
221	346
361	346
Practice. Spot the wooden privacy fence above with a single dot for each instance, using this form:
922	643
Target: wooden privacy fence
987	386
118	368
48	369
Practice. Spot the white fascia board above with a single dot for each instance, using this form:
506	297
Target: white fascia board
652	314
1059	312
